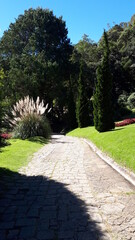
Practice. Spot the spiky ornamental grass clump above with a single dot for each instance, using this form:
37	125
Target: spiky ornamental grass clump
28	120
27	106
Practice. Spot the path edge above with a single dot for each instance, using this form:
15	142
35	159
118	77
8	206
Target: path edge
128	175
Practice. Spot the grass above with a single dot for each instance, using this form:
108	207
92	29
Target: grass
118	144
19	152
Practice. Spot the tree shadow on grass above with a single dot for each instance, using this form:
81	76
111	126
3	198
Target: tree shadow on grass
39	139
38	208
113	130
4	143
117	129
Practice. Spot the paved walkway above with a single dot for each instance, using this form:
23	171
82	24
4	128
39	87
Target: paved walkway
67	193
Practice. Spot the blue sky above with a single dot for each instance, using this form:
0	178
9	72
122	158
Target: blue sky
82	16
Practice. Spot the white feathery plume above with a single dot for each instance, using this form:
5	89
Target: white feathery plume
25	107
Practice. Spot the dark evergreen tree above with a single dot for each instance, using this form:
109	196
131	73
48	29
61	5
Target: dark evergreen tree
0	119
72	123
82	105
103	108
1	77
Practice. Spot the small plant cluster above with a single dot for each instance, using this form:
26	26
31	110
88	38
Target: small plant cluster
6	135
125	122
28	120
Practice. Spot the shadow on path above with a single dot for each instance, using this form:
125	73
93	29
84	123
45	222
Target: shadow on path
37	208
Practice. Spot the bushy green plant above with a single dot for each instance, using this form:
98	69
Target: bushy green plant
122	100
32	125
122	110
131	100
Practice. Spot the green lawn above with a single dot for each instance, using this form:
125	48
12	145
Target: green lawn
19	152
118	144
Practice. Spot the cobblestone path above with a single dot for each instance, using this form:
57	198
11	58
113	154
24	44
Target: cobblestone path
67	193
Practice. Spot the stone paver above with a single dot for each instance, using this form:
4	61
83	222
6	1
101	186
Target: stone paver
67	192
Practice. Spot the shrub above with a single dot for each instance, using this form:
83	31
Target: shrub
124	112
5	135
28	120
125	122
32	125
131	100
27	106
122	100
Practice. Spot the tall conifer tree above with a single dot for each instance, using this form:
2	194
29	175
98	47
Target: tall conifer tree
0	119
72	122
82	109
1	77
103	108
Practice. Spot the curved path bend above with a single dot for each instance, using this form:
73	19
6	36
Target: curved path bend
67	193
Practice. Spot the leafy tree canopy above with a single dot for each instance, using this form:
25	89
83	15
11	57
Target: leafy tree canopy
35	52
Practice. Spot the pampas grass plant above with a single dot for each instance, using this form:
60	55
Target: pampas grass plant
29	118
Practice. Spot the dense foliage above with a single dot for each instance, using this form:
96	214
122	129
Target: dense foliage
32	125
131	100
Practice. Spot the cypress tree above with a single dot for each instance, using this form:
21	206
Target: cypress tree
72	123
1	77
0	120
103	108
82	106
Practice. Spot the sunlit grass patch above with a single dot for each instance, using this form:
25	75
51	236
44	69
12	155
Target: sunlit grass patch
19	152
118	144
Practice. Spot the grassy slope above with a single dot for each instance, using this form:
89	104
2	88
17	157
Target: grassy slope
18	153
119	144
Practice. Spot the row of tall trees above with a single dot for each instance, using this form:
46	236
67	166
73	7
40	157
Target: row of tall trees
121	62
38	60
